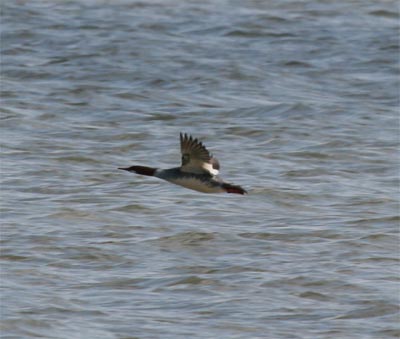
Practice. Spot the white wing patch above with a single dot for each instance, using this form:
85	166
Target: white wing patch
209	168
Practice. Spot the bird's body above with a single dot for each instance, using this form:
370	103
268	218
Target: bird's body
199	170
205	183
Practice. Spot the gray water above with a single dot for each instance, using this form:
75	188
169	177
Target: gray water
299	102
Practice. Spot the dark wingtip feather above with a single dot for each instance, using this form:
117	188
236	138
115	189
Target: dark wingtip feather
189	144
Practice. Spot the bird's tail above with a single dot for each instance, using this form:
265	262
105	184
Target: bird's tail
143	170
229	188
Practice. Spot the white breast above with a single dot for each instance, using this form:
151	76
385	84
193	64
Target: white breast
196	185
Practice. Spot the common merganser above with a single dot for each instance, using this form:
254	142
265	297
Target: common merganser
199	170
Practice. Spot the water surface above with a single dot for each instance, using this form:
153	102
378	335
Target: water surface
299	102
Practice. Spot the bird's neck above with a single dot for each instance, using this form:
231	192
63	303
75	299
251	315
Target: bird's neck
143	170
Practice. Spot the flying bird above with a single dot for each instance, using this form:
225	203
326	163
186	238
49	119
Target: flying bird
198	171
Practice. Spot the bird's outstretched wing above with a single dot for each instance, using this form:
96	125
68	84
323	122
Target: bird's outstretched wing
196	158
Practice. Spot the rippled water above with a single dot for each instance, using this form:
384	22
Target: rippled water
299	102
